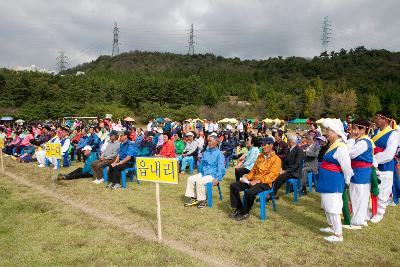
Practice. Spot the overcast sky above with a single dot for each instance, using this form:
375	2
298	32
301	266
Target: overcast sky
33	32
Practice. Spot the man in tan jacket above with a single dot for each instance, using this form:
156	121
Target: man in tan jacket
264	172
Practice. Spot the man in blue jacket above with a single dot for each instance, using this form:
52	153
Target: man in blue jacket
212	169
84	172
93	140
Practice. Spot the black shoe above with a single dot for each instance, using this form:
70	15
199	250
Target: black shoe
276	197
202	204
234	214
242	217
304	190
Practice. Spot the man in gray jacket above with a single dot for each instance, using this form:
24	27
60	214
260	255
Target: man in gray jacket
109	152
310	160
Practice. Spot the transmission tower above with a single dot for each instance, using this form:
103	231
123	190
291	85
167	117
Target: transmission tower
191	41
326	32
115	49
62	62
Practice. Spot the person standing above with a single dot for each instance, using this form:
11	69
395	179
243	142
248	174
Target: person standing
334	173
361	154
386	141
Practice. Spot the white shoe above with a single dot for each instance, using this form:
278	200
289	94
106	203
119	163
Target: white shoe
377	218
98	181
333	238
351	227
365	224
55	168
41	165
326	230
392	204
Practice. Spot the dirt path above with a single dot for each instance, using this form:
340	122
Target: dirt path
123	224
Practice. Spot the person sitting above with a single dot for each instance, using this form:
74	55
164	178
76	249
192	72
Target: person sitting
179	145
84	172
83	141
190	151
324	146
27	155
280	147
167	148
292	164
211	168
123	160
93	140
108	155
65	144
16	140
264	172
227	145
41	154
147	148
246	162
311	161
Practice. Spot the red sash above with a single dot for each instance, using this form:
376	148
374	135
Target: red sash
378	150
330	167
360	164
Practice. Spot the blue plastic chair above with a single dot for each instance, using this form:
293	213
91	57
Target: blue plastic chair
123	175
296	185
209	187
311	177
191	165
263	201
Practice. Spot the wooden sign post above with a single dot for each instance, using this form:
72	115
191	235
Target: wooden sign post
1	153
157	170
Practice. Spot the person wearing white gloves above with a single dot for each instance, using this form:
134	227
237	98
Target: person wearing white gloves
386	141
362	157
334	173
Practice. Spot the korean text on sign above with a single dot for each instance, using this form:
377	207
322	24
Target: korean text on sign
160	170
53	151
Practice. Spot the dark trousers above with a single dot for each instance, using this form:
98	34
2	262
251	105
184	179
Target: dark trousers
239	172
251	194
76	174
282	178
114	173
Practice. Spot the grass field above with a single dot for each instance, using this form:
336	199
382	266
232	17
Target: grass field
72	224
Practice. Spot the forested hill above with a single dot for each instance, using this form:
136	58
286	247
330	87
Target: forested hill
358	81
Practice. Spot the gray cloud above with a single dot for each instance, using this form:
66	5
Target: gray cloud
33	32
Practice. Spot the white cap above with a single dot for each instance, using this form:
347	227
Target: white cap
335	125
214	134
87	148
189	134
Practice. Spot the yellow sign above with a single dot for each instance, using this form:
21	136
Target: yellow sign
1	143
160	170
53	151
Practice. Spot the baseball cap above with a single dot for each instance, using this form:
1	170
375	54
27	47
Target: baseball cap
87	148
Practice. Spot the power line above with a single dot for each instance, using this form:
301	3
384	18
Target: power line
326	32
62	62
115	49
191	41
